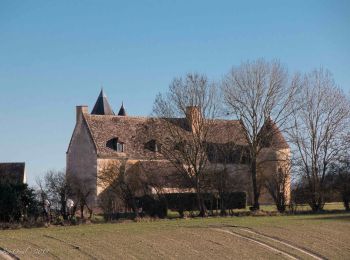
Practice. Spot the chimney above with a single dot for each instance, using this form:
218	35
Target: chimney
193	116
80	110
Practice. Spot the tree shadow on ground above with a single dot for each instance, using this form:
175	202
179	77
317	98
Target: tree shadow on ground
335	217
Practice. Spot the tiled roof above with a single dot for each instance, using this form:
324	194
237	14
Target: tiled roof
135	132
132	131
12	172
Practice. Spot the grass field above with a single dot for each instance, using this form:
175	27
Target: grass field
292	237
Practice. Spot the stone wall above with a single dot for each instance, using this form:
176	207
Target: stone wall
82	158
102	164
239	175
270	161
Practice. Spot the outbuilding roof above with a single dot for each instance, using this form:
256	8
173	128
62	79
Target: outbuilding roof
12	172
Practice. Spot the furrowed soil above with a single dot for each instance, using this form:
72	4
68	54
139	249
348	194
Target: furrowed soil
323	236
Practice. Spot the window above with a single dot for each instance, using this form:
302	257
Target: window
153	145
120	147
116	145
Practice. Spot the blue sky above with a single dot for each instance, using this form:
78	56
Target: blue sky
55	55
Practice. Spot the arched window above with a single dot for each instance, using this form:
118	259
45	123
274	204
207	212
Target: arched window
116	145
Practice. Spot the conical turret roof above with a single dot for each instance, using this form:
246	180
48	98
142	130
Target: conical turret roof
122	111
102	106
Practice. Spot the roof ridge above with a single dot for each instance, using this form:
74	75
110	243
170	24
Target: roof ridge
12	162
151	117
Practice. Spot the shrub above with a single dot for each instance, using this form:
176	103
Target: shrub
181	201
235	200
187	201
17	202
153	207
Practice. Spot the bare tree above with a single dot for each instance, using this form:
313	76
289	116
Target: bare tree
184	144
53	190
257	93
42	195
82	191
228	165
318	131
57	189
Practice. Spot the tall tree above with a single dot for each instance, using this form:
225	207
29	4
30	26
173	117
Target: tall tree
82	192
195	98
54	188
318	131
256	93
58	190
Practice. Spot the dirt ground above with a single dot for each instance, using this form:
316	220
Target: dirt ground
324	236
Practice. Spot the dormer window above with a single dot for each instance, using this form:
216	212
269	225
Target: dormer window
116	145
153	145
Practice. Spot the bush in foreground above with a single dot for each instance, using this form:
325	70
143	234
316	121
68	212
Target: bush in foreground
17	202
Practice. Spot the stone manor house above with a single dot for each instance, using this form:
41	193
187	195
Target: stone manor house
103	137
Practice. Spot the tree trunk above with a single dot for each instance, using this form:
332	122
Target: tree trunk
256	193
281	207
200	202
64	207
317	202
346	201
82	211
222	205
134	206
202	209
90	212
222	194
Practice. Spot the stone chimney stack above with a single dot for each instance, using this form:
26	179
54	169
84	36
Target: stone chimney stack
193	116
80	110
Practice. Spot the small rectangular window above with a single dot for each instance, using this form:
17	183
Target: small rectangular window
116	145
120	147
